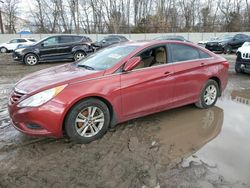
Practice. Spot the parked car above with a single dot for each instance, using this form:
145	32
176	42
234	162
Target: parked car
114	85
209	40
242	63
14	43
55	48
172	37
228	43
110	40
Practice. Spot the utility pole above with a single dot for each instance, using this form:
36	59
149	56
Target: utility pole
1	20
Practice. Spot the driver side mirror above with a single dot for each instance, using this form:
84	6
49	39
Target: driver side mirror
104	41
131	64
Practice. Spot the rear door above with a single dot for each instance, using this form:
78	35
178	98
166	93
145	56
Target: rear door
146	89
65	46
189	66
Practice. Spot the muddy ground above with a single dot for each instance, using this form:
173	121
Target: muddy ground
184	147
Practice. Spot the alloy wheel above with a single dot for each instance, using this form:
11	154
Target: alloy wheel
210	95
31	60
89	121
79	56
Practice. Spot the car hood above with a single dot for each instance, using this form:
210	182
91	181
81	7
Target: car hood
3	44
55	76
244	49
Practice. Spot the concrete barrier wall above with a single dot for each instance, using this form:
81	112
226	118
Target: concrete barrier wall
194	37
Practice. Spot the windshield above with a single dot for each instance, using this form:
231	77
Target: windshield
106	58
40	40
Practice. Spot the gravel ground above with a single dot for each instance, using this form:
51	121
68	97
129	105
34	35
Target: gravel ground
184	147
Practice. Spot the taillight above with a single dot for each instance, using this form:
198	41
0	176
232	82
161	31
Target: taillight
226	64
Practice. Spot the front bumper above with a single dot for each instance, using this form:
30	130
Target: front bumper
17	56
45	120
243	65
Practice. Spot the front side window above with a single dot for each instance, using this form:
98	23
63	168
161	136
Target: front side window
106	58
153	57
181	52
51	41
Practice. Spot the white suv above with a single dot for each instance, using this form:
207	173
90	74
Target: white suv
243	58
14	43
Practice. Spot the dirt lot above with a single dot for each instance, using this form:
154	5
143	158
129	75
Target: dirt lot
184	147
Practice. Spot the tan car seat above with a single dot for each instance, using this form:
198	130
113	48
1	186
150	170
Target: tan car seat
160	56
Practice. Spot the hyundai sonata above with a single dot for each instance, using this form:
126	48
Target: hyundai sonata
122	82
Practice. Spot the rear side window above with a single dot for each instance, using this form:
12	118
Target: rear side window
65	39
79	38
181	52
204	55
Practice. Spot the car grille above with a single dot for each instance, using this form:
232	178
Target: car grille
245	55
15	97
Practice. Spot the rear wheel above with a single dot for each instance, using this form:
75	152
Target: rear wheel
209	95
3	50
31	59
79	55
87	121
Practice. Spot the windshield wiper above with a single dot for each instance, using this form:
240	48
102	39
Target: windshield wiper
86	67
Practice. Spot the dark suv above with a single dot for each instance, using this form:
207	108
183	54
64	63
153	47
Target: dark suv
109	40
228	44
54	48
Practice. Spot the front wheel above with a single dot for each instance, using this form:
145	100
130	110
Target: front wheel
31	59
209	95
87	121
237	68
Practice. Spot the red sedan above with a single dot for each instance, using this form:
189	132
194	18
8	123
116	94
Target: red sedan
114	85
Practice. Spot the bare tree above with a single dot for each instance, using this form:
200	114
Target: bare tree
11	8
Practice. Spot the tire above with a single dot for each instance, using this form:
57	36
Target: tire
31	59
237	68
3	50
228	49
79	124
79	55
210	100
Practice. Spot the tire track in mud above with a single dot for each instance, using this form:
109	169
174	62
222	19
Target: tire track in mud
5	90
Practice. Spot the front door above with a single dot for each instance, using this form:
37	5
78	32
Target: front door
48	48
148	87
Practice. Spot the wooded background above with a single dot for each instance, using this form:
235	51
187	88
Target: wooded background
132	16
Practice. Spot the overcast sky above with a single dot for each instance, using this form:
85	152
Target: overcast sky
25	6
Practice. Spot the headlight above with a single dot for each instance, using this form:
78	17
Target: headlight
41	98
19	50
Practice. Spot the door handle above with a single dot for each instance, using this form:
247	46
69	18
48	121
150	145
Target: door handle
203	64
168	73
